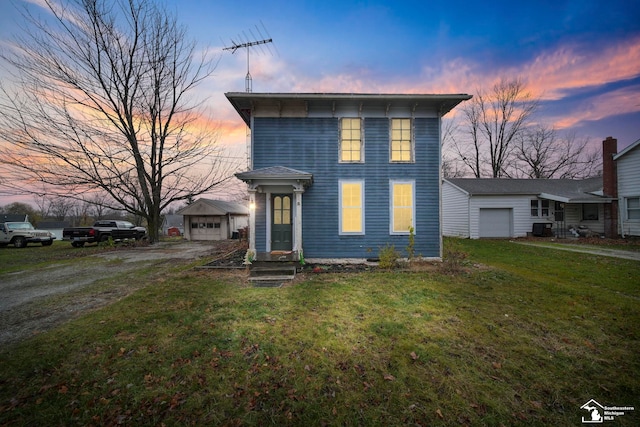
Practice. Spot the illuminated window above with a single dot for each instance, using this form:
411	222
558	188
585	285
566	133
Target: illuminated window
282	210
401	142
351	207
350	140
402	207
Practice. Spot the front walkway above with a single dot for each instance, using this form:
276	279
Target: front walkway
593	250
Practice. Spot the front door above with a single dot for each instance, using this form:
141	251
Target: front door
281	222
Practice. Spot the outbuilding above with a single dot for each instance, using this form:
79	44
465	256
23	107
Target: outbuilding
207	219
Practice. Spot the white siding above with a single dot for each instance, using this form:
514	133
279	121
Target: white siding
455	211
238	222
628	186
522	221
573	217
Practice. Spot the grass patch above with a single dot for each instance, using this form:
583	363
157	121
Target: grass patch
519	336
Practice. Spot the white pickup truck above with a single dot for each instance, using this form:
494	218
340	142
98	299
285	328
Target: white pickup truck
20	234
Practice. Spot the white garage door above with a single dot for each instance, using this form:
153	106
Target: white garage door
206	228
495	222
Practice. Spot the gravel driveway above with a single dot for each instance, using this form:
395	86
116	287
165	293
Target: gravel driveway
36	300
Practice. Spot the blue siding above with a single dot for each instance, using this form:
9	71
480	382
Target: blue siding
311	145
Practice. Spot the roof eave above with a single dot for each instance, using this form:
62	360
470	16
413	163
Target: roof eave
444	103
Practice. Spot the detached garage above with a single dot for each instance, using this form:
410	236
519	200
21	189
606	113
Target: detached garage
207	219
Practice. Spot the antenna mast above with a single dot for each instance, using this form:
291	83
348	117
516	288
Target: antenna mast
235	46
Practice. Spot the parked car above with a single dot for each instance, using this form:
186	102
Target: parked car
20	234
102	231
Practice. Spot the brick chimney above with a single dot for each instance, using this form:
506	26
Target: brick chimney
610	186
609	175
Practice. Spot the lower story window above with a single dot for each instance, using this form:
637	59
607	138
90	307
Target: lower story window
633	208
351	207
402	207
539	208
589	212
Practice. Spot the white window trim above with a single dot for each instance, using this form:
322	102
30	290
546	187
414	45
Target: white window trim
540	209
362	216
413	207
412	141
361	141
626	208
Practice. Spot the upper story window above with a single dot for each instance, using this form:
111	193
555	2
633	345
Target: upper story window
539	208
401	149
402	207
351	207
633	207
351	140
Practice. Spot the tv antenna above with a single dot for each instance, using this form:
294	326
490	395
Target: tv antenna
245	43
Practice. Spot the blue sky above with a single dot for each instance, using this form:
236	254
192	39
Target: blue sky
582	58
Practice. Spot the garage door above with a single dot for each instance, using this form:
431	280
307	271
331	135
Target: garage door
206	228
495	222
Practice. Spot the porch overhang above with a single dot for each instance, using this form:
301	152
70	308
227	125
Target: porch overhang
277	179
583	199
276	176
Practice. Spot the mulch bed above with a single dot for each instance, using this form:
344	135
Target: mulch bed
229	255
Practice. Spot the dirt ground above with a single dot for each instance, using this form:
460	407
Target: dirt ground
37	300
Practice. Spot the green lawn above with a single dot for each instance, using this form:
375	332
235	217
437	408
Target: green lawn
522	336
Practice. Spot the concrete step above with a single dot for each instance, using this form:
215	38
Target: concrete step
272	274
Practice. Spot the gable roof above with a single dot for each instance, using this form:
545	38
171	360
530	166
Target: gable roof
627	150
562	190
213	207
245	102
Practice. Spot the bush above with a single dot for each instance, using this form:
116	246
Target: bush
453	258
388	257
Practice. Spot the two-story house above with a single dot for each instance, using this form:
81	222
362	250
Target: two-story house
339	176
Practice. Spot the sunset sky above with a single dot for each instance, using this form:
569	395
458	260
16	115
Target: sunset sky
581	57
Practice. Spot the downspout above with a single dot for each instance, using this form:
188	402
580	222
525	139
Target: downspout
621	216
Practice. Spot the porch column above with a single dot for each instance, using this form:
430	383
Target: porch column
252	220
297	232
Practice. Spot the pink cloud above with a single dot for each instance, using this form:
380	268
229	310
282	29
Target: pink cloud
553	74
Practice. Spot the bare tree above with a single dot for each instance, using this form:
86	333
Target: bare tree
450	165
61	207
493	120
52	205
100	106
541	152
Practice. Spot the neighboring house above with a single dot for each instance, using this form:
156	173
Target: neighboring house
608	205
53	226
627	163
172	224
207	219
494	207
339	176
